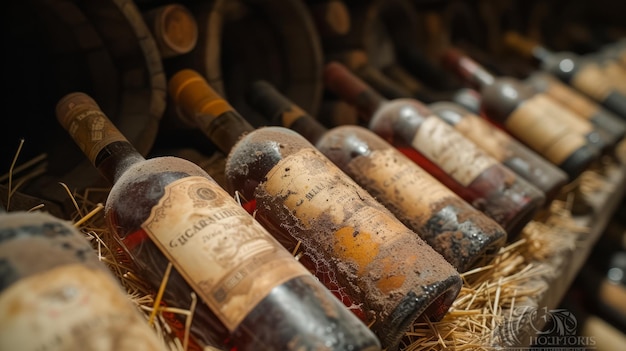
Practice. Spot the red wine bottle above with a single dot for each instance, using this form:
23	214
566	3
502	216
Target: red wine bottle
441	150
464	236
254	294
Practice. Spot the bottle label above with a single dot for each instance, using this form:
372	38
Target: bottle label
549	137
340	219
616	74
450	150
224	254
557	111
591	80
395	180
72	307
572	99
92	132
489	138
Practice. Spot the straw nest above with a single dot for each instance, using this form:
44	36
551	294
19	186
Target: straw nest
482	316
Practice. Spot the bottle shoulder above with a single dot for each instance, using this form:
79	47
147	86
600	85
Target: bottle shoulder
502	97
562	64
143	184
399	119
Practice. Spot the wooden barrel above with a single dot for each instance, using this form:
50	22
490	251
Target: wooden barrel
240	41
101	47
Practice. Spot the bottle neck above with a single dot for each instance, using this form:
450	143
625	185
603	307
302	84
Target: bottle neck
382	83
281	111
99	139
527	47
203	107
115	158
350	88
468	69
540	54
225	129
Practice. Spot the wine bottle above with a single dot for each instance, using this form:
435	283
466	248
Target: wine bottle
533	118
358	62
168	210
55	294
418	91
381	269
503	147
584	75
603	119
464	236
436	146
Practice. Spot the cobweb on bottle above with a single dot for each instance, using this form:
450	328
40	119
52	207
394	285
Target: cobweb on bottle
322	270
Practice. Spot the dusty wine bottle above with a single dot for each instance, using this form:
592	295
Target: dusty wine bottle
382	264
464	236
584	75
55	294
166	209
503	147
530	117
602	118
445	153
381	269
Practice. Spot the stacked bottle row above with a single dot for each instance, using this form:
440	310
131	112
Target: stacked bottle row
345	234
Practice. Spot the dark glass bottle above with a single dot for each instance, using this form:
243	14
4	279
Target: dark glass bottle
464	236
530	117
55	294
254	294
445	153
585	75
381	269
605	120
503	147
358	62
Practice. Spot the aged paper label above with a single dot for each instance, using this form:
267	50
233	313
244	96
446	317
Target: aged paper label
489	138
336	210
451	151
572	99
98	133
591	80
549	137
226	256
400	183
